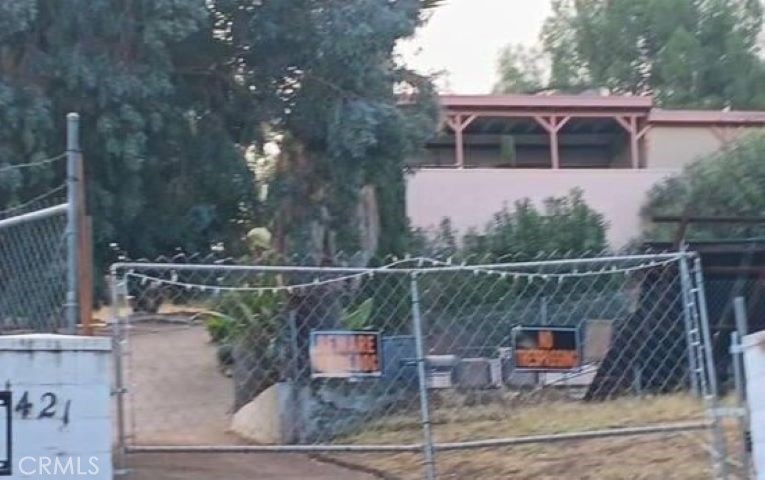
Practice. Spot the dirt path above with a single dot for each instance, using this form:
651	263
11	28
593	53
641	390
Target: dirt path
235	467
178	396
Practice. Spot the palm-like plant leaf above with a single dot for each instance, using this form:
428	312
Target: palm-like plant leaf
428	4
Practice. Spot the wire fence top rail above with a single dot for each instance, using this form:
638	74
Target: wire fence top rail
28	203
32	216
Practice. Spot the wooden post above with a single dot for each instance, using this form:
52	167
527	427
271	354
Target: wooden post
458	124
553	126
85	269
554	149
630	124
459	144
86	275
634	153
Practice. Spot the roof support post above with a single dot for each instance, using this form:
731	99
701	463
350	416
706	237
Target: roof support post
634	150
630	124
553	125
458	123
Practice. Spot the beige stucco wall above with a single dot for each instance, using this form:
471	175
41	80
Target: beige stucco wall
677	146
471	196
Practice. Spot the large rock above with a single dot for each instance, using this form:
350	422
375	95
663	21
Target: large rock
283	414
265	419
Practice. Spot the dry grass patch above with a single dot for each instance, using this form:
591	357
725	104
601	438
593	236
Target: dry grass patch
459	423
676	456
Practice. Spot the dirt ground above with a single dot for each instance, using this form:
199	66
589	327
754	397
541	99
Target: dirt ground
178	396
235	467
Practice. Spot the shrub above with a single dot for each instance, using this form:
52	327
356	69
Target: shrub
727	183
566	225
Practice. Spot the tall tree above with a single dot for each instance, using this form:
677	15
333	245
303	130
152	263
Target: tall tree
690	53
162	116
329	72
521	70
173	93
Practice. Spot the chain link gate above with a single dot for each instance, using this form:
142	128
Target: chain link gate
217	358
33	266
40	242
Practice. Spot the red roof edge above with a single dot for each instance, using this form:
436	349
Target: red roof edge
714	117
599	102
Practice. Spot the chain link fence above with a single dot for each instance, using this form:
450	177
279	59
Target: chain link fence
33	259
424	369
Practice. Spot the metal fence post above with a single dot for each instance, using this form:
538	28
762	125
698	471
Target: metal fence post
739	310
73	221
119	374
718	435
737	355
430	466
295	391
688	313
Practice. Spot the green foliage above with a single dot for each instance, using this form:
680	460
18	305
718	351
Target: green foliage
220	327
659	47
358	319
250	329
520	70
439	243
238	314
566	225
728	183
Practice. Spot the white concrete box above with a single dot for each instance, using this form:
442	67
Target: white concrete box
59	410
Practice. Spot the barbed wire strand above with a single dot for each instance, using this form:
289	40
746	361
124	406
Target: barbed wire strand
476	270
36	163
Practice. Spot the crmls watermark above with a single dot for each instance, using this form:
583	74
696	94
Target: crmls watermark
59	466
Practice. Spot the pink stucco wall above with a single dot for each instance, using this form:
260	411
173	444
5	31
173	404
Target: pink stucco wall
469	197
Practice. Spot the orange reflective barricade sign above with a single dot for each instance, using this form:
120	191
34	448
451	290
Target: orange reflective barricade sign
546	348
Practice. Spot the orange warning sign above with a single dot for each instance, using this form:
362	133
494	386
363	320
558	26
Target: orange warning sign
546	348
343	354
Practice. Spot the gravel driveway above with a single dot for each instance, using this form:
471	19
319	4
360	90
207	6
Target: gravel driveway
178	396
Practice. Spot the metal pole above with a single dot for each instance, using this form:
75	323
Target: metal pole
545	320
73	223
742	328
119	374
297	430
718	435
416	447
637	380
33	216
427	447
685	286
739	310
743	418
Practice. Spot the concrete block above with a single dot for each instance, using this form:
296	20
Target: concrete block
754	361
60	387
473	373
